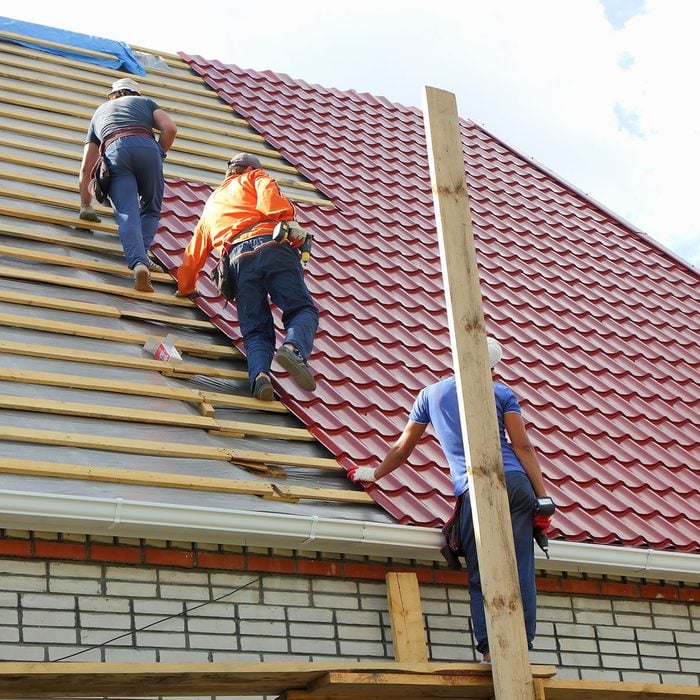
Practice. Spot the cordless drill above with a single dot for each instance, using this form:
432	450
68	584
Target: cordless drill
544	510
290	232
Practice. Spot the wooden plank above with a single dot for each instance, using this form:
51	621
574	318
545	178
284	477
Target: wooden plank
52	217
261	430
244	402
187	369
354	684
117	386
114	335
190	482
81	307
55	44
78	241
94	286
64	679
499	577
39	404
119	269
162	449
405	611
609	690
87	307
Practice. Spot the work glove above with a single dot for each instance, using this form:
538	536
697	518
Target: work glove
542	523
357	474
87	213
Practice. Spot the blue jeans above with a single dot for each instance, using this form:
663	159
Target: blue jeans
273	270
521	501
136	193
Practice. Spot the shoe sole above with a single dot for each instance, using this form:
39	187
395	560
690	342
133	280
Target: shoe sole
142	280
300	374
266	393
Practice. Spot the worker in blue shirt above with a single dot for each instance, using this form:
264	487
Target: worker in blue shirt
438	404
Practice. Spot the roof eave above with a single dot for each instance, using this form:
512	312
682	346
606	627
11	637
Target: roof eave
117	517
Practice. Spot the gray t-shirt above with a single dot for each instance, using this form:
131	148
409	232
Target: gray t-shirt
127	111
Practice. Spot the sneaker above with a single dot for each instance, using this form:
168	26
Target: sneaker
142	278
154	266
263	389
292	360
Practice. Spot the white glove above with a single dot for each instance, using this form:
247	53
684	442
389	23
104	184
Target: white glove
362	474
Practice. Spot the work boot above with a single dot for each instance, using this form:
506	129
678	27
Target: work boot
263	388
142	278
291	359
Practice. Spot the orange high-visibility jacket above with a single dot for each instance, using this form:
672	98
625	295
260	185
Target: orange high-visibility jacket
238	202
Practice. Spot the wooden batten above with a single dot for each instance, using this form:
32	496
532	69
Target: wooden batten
405	611
487	492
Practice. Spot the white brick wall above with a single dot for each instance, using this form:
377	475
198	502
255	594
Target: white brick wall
52	610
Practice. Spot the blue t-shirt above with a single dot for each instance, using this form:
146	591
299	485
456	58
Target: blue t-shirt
437	404
126	111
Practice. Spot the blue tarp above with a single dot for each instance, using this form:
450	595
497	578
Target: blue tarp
123	59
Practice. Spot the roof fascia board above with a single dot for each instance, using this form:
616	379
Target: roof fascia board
24	510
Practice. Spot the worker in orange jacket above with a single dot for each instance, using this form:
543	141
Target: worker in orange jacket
240	216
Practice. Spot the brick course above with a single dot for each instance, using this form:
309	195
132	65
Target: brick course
159	602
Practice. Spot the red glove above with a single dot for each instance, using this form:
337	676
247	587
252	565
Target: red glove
357	474
543	523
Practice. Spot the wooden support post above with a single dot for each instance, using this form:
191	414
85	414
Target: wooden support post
406	613
499	580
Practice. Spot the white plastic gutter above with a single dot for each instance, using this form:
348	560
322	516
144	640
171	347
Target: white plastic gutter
24	510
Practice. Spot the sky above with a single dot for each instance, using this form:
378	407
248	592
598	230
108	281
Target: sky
603	93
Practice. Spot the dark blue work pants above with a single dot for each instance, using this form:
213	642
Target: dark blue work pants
136	193
521	500
272	270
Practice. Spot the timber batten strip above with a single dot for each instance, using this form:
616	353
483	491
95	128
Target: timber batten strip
162	449
22	679
169	368
92	244
89	308
119	386
114	335
76	283
191	482
84	410
119	269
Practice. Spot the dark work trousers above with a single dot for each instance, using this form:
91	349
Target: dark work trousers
521	500
272	270
136	193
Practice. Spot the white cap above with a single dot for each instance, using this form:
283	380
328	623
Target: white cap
494	349
125	84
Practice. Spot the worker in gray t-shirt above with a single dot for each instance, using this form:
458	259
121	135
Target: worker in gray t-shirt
123	128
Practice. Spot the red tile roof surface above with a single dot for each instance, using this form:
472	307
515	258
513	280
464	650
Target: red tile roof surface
600	325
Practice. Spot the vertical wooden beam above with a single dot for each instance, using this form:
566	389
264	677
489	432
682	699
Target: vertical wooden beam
406	614
504	613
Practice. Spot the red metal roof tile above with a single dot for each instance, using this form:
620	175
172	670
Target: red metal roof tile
599	324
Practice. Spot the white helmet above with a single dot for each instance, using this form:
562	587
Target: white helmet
494	348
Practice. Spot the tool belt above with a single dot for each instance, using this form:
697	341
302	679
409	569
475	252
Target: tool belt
123	133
